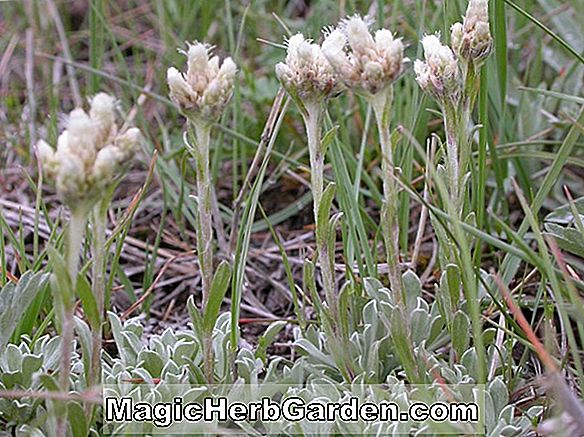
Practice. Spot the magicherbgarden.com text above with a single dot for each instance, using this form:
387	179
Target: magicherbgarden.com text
290	409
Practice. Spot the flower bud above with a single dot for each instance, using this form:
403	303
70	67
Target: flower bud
106	163
204	91
439	74
179	89
71	179
472	39
103	114
358	36
129	140
46	156
333	48
373	63
456	37
306	73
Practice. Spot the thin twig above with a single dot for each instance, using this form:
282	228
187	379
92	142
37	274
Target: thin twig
539	348
65	46
8	54
28	73
264	139
424	209
91	395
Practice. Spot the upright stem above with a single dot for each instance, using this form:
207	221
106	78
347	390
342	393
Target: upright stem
98	286
74	240
456	121
205	230
381	104
204	198
467	104
312	121
453	135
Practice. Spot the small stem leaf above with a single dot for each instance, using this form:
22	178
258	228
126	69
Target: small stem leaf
88	302
324	213
412	289
49	382
396	137
62	288
217	293
116	327
459	333
344	303
77	419
195	316
310	284
327	139
84	336
331	236
402	345
453	280
268	338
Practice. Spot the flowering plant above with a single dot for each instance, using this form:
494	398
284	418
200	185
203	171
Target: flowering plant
202	93
91	153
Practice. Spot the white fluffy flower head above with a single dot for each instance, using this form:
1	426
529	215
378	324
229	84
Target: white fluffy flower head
205	89
373	62
306	73
472	39
90	153
439	74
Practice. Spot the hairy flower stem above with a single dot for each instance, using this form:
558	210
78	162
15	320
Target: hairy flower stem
98	286
74	241
204	200
312	121
458	145
453	149
205	228
457	119
381	104
471	90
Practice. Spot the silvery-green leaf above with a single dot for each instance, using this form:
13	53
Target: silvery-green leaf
88	302
218	289
15	300
420	325
30	365
507	413
470	362
151	361
11	359
268	338
569	239
412	288
184	352
77	419
401	341
84	335
459	332
563	215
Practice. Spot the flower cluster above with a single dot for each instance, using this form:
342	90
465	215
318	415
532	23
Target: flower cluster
471	39
204	91
373	63
439	74
89	153
306	73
